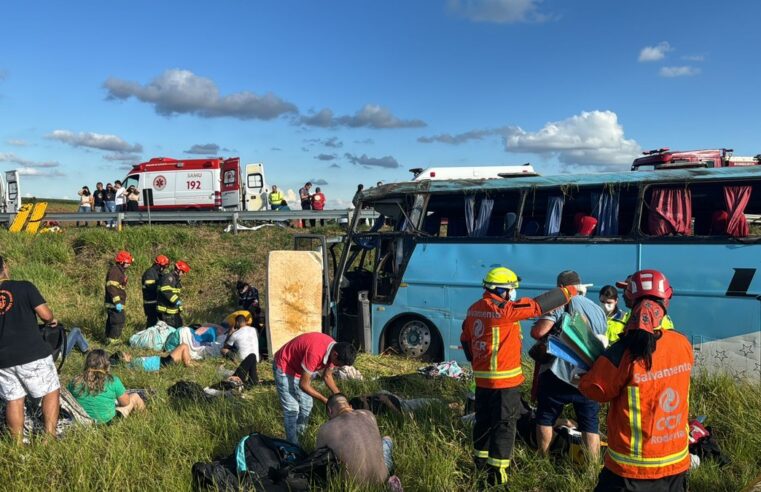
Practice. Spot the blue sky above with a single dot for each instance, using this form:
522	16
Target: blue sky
359	91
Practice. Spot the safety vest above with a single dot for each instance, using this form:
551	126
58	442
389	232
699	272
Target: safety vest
648	419
169	294
276	198
617	323
493	335
150	284
116	286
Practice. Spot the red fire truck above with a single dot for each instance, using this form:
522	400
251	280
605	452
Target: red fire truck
672	159
200	184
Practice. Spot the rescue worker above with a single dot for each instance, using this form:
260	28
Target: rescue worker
116	296
169	304
616	323
646	379
276	198
151	279
616	316
491	340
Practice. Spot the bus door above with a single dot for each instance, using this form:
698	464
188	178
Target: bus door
255	193
12	200
231	183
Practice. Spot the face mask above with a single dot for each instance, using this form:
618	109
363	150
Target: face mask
513	295
609	306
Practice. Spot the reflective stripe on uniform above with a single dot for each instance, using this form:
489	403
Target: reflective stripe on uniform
479	453
494	348
498	462
498	374
114	283
149	302
116	299
671	459
149	282
635	421
174	298
164	309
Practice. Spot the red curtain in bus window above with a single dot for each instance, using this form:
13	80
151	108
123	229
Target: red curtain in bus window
670	212
736	198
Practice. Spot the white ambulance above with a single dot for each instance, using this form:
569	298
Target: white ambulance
10	195
199	184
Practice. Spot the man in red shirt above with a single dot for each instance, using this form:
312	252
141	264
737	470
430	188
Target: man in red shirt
318	202
294	366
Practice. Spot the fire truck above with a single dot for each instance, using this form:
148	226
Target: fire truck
679	159
200	184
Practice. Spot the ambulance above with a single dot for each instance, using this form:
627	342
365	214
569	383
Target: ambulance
10	195
199	184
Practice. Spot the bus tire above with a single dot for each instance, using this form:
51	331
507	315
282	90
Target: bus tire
416	338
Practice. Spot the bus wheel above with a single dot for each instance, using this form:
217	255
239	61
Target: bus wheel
417	339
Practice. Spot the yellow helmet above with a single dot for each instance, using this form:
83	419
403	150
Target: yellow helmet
501	277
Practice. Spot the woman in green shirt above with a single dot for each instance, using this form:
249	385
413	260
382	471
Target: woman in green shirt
101	394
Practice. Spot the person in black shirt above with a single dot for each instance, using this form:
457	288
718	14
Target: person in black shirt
248	299
99	203
26	362
110	202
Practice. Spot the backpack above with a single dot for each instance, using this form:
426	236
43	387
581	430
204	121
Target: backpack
56	337
263	463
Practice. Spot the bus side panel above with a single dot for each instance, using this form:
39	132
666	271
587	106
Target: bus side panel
725	330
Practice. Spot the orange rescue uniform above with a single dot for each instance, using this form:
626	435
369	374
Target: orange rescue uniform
648	427
492	333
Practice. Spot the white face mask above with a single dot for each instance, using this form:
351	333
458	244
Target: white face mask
608	306
513	295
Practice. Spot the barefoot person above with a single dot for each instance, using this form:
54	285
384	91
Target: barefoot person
26	362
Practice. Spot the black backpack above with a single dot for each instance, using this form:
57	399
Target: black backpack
56	337
263	463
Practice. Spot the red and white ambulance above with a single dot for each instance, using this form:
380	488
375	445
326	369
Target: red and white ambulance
200	184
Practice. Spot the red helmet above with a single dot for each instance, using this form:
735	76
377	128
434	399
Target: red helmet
161	260
123	257
650	283
182	266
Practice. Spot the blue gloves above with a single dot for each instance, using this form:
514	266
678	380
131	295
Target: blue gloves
119	307
179	303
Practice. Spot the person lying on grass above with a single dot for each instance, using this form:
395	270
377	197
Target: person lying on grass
153	363
100	393
243	344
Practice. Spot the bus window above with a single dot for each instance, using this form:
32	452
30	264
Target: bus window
724	209
591	211
479	215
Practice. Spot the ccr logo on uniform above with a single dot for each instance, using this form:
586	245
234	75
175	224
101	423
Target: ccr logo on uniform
669	400
6	301
478	328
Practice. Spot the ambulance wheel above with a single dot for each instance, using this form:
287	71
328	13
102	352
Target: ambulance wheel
416	338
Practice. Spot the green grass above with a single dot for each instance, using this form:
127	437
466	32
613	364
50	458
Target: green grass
155	451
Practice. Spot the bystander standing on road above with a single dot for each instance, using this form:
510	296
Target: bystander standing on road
85	202
318	203
119	197
99	200
306	200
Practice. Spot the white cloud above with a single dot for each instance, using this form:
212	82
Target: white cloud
100	141
17	142
178	91
681	71
370	116
593	138
460	138
14	159
499	11
34	172
655	53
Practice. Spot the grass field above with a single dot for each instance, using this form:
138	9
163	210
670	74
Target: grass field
155	451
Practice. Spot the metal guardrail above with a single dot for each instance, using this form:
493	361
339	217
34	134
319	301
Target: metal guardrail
233	217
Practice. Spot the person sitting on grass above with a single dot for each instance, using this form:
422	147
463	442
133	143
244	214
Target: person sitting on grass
243	344
100	393
153	363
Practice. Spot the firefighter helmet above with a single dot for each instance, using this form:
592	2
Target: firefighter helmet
647	283
501	277
123	257
182	266
161	260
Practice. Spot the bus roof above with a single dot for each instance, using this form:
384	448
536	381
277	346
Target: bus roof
517	183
